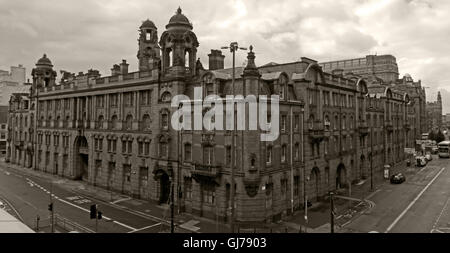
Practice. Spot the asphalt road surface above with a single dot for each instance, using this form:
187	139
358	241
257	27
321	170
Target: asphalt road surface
31	195
419	205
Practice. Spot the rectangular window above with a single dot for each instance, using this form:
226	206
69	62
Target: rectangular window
187	152
269	155
114	145
147	148
140	148
124	147
228	155
283	153
165	121
114	100
188	189
296	185
208	155
283	123
127	172
209	195
296	122
109	145
130	147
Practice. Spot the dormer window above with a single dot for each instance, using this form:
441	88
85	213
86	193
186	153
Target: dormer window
148	36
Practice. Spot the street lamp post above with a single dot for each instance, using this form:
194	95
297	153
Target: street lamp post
171	175
331	212
233	48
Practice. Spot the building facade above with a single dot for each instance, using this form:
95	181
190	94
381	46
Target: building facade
19	148
434	114
115	132
371	67
3	129
11	82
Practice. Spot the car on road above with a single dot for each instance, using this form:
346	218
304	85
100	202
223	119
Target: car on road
397	178
421	161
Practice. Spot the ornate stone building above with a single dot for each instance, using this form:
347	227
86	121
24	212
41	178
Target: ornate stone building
114	132
20	130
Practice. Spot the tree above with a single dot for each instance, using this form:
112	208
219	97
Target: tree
439	137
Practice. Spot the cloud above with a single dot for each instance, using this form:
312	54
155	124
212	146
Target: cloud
83	34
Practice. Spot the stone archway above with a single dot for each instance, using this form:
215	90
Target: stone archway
341	176
164	186
81	159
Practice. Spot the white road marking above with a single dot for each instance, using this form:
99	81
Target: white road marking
140	229
120	200
440	215
413	202
88	211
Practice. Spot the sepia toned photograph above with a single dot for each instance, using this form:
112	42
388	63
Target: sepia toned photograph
224	117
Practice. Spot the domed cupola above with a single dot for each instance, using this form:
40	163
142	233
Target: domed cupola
179	21
148	24
178	46
44	62
43	74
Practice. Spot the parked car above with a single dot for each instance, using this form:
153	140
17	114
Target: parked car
421	161
397	178
429	157
2	206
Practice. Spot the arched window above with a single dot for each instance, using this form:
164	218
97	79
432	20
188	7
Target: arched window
114	122
311	121
166	97
66	122
186	58
344	120
58	119
327	123
129	122
170	55
100	122
336	122
146	122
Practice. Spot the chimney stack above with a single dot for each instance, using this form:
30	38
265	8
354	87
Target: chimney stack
115	70
216	60
124	67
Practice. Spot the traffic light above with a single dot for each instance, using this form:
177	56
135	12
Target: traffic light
50	207
99	215
93	211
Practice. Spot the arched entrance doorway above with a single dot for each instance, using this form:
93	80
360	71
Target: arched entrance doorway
81	159
164	186
315	183
341	176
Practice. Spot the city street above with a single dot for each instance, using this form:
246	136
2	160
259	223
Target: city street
30	197
419	205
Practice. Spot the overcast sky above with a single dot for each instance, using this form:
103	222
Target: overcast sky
81	34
